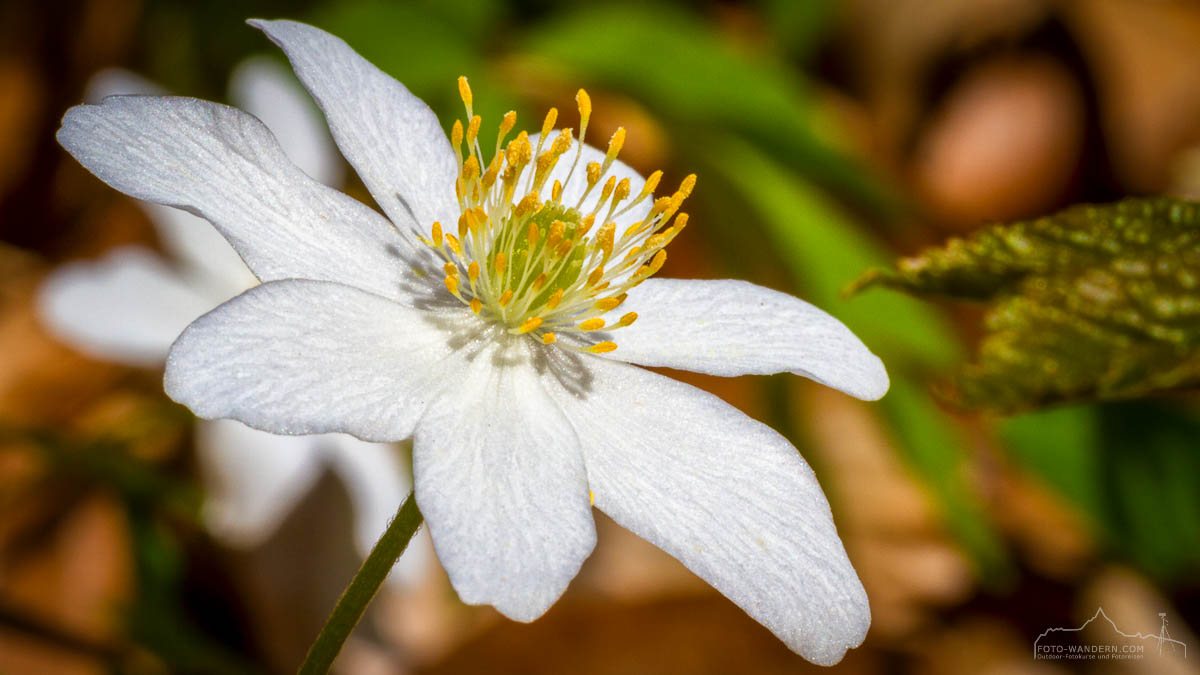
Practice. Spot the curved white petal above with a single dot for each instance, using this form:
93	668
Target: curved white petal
223	164
304	357
576	186
502	485
254	479
266	89
377	482
724	494
393	140
126	307
729	327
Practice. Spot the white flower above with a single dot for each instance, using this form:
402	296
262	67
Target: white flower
131	305
471	323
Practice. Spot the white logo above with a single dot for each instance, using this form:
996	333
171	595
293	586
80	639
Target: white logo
1125	646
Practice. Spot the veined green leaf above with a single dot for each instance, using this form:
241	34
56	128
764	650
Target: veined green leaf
1095	302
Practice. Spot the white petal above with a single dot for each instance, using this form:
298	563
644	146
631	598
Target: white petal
576	186
501	483
393	140
254	478
304	357
377	482
267	90
221	163
729	327
127	307
727	496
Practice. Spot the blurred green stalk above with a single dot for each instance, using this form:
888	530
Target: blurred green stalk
350	607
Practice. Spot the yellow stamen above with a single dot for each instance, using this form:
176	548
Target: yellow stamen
452	285
476	305
627	319
592	324
602	347
530	324
464	90
437	234
611	303
548	338
505	297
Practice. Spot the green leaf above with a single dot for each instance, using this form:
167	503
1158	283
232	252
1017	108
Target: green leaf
1095	302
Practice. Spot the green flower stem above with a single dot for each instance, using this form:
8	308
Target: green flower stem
350	607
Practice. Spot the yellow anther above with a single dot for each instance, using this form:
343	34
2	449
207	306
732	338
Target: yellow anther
528	204
593	173
556	192
473	131
464	90
505	297
681	222
452	285
592	324
627	319
530	324
470	170
437	234
452	242
555	298
602	347
685	188
456	136
532	234
651	185
507	124
596	275
500	264
604	238
473	272
633	253
476	305
657	263
562	142
464	224
609	304
564	248
539	282
548	123
622	190
587	224
557	229
548	338
585	110
607	190
451	269
614	145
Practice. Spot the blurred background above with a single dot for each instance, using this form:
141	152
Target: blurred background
829	137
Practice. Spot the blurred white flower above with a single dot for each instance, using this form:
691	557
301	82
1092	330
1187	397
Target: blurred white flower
129	307
494	320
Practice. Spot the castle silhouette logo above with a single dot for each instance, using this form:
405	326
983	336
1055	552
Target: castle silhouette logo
1064	644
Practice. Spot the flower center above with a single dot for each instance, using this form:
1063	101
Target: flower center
527	257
